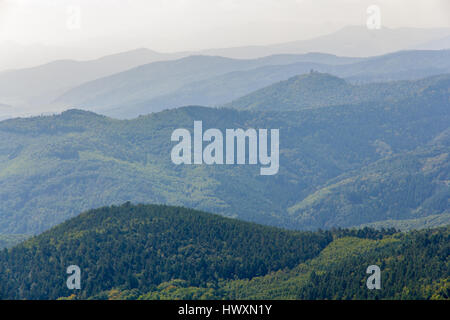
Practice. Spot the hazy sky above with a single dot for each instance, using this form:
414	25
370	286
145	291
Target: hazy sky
174	25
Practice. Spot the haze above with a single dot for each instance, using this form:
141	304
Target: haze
106	27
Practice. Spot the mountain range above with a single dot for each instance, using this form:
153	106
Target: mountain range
45	88
348	41
36	86
213	81
53	167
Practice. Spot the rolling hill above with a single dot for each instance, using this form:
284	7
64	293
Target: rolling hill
320	90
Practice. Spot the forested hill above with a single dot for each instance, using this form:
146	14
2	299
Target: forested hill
160	252
142	246
53	167
317	89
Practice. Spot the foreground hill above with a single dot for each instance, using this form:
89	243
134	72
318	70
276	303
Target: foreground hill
53	167
161	252
414	265
142	246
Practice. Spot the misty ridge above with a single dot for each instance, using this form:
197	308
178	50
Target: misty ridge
148	81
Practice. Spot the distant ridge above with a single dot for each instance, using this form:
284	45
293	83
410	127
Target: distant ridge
354	41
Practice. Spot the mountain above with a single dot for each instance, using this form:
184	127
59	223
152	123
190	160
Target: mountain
36	86
319	90
162	252
353	41
142	246
53	167
214	81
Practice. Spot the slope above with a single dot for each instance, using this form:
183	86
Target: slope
139	247
409	185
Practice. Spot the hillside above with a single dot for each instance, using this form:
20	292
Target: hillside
161	252
419	178
140	247
414	266
53	167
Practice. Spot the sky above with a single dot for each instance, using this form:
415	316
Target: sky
180	25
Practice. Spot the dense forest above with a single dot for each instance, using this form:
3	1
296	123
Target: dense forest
143	246
161	252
